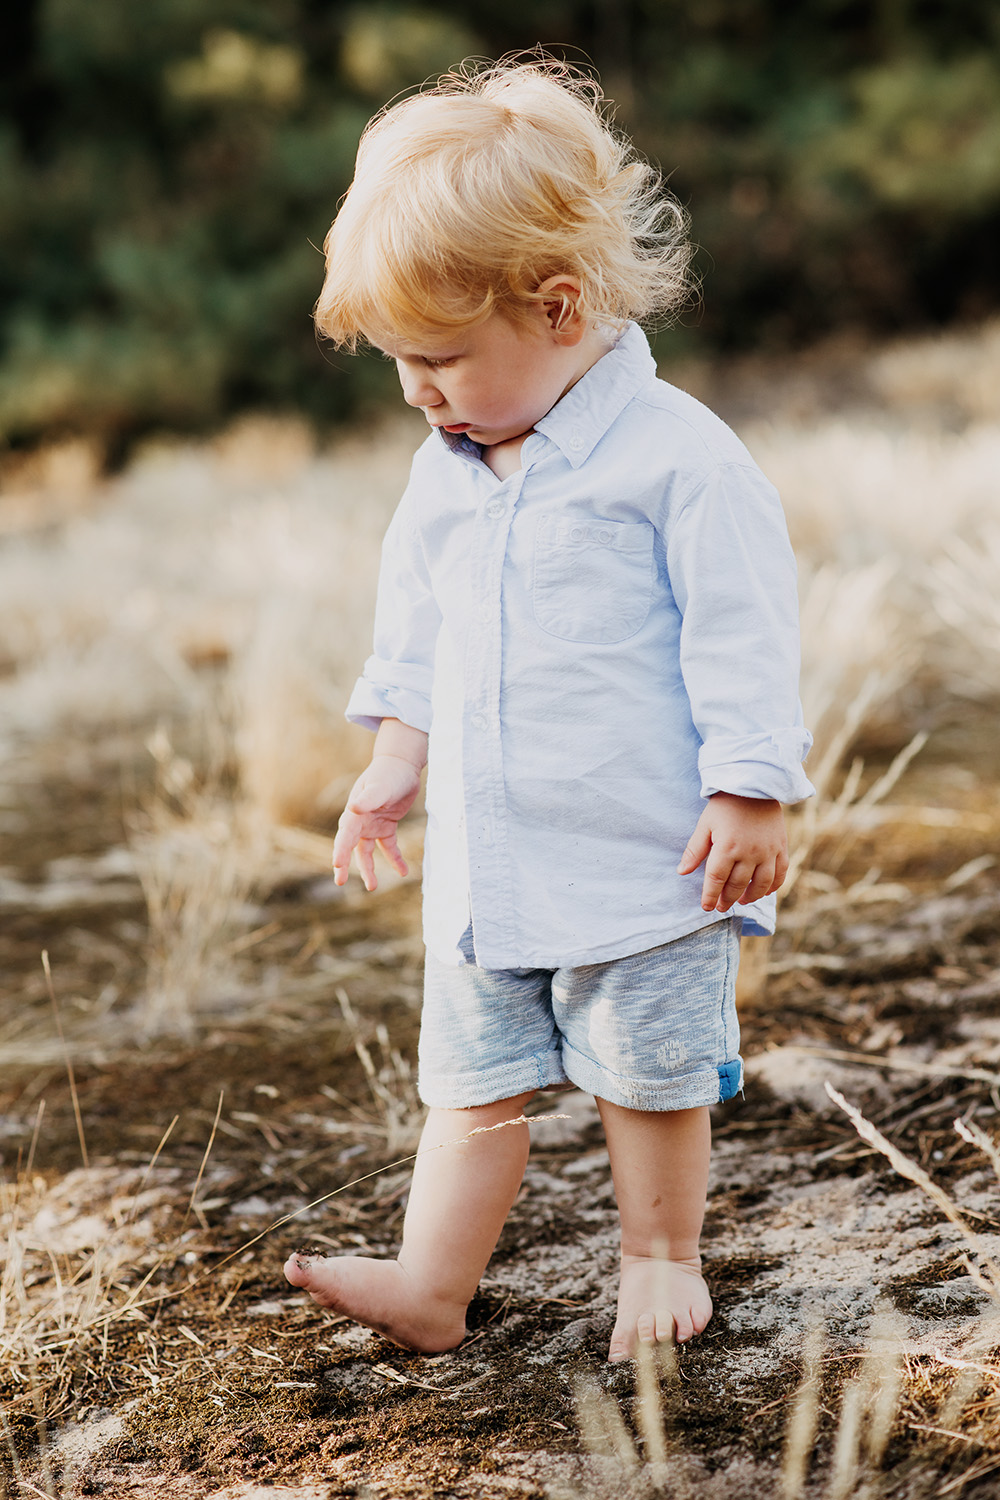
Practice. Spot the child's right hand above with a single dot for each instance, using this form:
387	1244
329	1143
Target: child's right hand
379	798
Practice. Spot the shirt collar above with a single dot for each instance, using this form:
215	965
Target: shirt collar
577	423
461	445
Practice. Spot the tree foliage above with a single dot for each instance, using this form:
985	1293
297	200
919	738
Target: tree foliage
167	171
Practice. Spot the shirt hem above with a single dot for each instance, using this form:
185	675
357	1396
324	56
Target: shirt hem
753	924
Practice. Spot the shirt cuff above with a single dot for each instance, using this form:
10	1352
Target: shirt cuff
759	765
371	702
757	918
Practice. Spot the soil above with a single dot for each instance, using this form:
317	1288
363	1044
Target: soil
195	1371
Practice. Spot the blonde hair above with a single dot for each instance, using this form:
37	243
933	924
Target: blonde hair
469	195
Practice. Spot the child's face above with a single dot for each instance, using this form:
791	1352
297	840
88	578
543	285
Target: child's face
493	381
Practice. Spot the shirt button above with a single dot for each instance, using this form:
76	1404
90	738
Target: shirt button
495	509
577	534
604	537
478	721
576	443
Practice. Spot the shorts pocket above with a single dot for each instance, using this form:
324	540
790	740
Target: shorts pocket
593	578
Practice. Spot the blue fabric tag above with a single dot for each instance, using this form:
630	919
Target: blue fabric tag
730	1079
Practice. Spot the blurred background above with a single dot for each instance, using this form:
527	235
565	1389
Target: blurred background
193	490
167	172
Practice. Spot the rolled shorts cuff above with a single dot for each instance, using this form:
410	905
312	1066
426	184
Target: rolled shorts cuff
469	1090
683	1091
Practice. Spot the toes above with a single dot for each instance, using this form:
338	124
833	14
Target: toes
646	1328
621	1347
665	1333
685	1328
650	1328
298	1269
701	1318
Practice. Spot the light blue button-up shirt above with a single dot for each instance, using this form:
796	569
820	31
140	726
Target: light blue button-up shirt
595	645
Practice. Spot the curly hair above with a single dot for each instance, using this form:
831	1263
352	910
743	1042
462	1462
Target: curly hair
469	195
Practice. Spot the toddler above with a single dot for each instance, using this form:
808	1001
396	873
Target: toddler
586	628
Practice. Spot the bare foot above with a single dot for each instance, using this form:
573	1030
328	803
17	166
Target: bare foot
658	1300
381	1295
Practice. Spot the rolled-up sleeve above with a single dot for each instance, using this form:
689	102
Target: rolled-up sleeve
732	574
397	677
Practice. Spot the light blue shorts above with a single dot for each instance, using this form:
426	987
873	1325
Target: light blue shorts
653	1031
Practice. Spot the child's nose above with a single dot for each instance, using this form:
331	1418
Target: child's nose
419	389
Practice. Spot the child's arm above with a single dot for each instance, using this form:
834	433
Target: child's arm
732	574
379	798
743	841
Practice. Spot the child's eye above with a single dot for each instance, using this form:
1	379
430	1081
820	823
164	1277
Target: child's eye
439	364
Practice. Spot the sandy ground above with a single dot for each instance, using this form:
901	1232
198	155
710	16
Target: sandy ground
163	1355
149	1194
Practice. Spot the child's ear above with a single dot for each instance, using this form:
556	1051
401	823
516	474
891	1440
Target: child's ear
560	303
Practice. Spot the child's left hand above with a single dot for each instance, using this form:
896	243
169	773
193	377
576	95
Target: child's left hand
744	843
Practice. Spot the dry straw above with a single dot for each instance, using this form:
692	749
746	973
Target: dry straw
871	1400
57	1307
390	1081
897	531
800	1433
197	866
869	1407
984	1269
985	1338
603	1430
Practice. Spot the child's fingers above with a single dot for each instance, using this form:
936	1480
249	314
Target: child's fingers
390	848
344	845
698	848
365	856
711	892
761	885
780	871
722	887
358	834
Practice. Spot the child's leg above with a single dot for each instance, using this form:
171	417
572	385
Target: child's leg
459	1199
659	1162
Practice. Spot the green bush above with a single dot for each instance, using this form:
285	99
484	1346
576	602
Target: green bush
168	172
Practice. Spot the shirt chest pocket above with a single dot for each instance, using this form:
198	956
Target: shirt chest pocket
593	578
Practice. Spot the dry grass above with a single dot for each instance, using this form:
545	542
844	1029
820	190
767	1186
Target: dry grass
232	586
800	1433
858	492
983	1267
395	1104
649	1463
857	657
197	878
963	582
893	1391
90	1262
250	570
195	563
78	1256
954	373
229	587
868	1413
